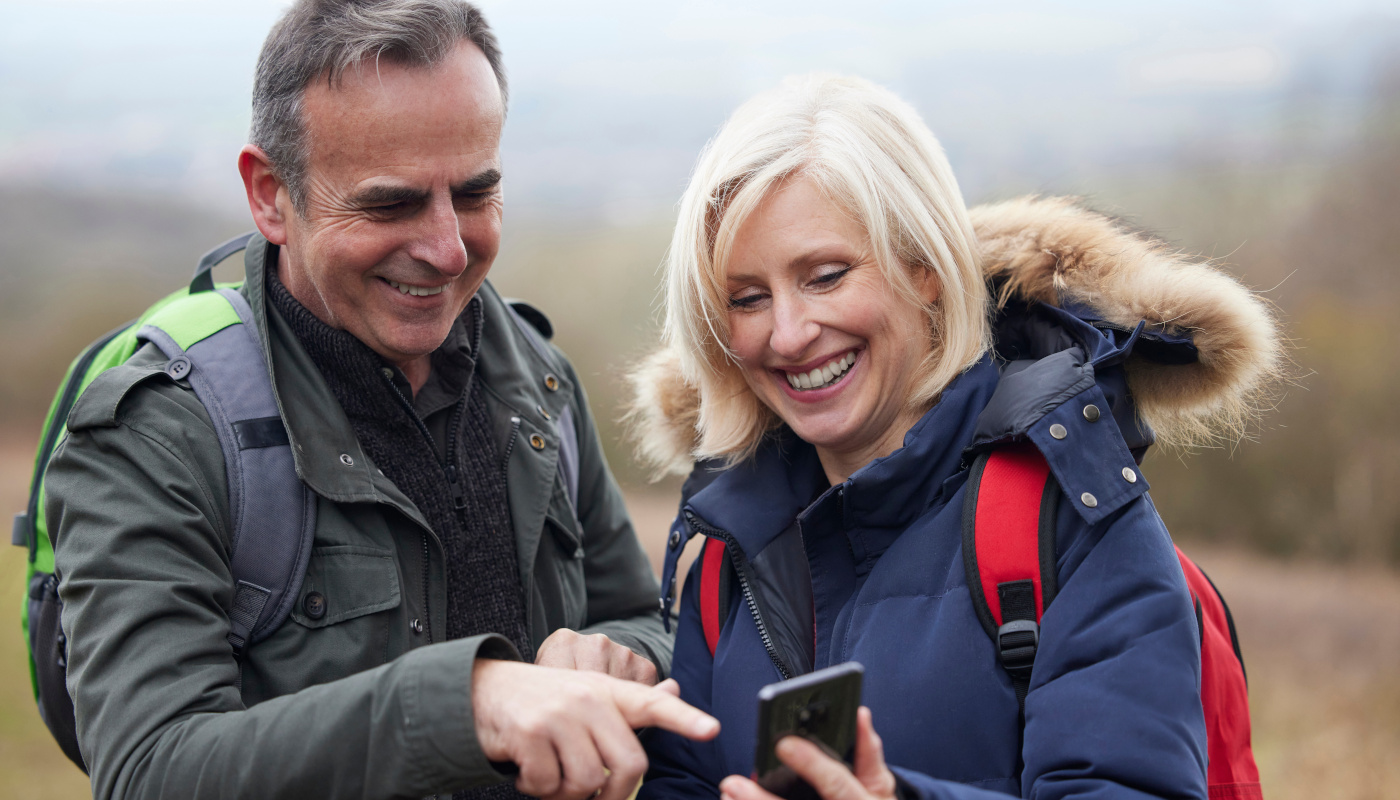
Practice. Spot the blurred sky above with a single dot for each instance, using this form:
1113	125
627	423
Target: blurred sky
612	99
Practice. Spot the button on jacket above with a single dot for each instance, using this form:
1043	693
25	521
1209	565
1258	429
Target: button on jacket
349	698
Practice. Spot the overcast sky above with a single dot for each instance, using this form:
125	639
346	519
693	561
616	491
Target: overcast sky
612	99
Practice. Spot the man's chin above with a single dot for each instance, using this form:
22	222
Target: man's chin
406	346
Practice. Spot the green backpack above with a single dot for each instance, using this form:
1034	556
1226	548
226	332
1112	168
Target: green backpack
207	333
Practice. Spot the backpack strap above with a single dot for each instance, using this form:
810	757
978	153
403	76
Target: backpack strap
1009	553
211	342
203	280
715	576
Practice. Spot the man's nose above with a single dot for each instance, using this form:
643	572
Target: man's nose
438	240
794	329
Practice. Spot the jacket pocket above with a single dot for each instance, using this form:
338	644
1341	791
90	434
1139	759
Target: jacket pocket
569	587
344	621
346	581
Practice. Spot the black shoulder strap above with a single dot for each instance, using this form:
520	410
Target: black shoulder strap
1009	553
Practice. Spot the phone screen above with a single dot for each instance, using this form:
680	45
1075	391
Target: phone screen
820	707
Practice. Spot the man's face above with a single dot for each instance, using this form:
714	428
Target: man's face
403	201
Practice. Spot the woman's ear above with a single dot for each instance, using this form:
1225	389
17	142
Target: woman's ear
928	285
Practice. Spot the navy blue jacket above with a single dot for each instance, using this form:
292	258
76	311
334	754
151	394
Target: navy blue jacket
872	571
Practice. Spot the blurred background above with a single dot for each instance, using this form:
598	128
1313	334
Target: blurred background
1264	133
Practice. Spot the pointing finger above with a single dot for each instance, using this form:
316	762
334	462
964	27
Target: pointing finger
646	707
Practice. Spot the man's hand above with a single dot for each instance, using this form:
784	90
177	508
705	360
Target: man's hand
571	732
566	649
872	780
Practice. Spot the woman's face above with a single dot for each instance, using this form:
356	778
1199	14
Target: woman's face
823	338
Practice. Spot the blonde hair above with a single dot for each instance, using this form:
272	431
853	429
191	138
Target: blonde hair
870	153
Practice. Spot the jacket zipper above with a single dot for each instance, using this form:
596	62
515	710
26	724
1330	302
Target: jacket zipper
456	492
745	586
510	443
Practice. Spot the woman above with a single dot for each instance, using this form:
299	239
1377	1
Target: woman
829	363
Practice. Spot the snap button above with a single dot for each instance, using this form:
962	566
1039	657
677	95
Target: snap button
1089	500
179	367
551	383
314	605
675	540
1091	412
1129	475
1058	431
543	413
415	625
537	441
347	460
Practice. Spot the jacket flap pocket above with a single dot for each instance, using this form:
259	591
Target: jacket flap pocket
344	582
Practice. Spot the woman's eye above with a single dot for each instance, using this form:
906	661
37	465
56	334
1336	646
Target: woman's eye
746	301
830	277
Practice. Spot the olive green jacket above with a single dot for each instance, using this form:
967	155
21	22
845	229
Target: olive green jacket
357	701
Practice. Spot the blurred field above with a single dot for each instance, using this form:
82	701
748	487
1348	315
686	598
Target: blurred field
1321	643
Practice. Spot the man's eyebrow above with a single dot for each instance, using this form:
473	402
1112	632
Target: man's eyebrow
480	182
389	195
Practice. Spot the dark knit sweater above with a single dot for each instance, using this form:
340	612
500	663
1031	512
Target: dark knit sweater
455	478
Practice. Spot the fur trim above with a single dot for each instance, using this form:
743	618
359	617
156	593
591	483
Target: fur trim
1049	250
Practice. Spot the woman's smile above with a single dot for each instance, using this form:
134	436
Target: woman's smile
815	383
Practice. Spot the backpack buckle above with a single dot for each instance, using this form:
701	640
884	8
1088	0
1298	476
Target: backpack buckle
1017	642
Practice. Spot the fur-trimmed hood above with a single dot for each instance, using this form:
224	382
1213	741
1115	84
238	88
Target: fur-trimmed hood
1056	252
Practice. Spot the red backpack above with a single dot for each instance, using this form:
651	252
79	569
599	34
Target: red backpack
1009	550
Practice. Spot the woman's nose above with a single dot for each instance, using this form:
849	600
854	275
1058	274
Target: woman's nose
438	240
794	330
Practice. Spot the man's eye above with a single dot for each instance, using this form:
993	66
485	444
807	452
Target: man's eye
388	209
473	199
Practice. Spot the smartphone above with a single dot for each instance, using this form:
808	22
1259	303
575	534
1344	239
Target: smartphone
820	707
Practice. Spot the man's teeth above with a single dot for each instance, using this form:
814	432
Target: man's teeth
416	291
822	376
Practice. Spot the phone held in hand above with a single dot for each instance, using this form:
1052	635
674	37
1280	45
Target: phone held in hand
820	707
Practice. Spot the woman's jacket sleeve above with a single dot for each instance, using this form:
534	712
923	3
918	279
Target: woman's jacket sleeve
681	768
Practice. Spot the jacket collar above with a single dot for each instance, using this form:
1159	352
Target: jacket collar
328	456
755	501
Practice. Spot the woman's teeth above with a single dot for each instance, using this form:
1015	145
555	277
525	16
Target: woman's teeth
416	291
824	376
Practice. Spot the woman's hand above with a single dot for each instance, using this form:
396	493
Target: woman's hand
872	780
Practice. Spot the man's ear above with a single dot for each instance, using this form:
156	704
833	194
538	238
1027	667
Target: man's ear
267	195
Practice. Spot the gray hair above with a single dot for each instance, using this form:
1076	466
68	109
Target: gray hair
318	38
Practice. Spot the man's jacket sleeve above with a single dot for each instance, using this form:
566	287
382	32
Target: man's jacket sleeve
145	584
620	583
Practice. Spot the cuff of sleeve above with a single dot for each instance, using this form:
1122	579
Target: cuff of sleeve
441	728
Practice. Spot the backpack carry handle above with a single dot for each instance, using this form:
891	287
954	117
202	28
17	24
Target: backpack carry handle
203	280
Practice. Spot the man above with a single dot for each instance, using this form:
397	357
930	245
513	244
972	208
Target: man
426	419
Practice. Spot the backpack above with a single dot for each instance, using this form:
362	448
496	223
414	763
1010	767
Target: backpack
1009	553
208	334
